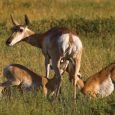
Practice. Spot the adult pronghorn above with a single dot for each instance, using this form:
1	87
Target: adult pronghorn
57	44
17	75
100	84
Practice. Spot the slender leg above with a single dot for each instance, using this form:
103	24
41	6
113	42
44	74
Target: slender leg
77	68
56	66
47	65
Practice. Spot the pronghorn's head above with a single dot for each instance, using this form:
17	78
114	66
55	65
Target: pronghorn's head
19	32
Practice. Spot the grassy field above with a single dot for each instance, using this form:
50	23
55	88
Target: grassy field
95	22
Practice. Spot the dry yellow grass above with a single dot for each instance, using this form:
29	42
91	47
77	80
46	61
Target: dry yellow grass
57	9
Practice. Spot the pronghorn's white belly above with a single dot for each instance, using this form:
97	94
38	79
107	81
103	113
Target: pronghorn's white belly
105	89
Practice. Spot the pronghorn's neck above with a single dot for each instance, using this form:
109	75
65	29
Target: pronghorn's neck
34	39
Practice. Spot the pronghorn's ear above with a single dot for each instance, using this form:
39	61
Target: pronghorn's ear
26	20
14	21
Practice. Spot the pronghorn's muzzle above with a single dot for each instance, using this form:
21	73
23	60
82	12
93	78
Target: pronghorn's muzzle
8	42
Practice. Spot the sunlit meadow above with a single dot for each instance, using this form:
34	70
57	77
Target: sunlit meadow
95	22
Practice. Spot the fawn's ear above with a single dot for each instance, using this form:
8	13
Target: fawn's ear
44	81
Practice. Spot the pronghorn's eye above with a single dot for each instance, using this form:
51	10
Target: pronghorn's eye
21	30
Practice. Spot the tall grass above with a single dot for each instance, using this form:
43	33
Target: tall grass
95	22
58	9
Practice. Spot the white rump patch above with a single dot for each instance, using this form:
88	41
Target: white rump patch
77	44
64	44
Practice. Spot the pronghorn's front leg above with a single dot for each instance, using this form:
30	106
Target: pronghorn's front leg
47	65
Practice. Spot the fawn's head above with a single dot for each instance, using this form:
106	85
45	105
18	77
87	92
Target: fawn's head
80	83
19	32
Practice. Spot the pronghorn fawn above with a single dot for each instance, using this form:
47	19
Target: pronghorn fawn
56	44
100	84
19	75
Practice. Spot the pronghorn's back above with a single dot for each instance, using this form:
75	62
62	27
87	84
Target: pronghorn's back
102	83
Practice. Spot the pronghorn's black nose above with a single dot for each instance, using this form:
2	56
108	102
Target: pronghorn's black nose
8	42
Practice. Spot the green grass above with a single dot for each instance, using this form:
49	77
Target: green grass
95	22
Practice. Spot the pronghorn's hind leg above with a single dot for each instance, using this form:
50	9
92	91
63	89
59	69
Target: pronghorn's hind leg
77	60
